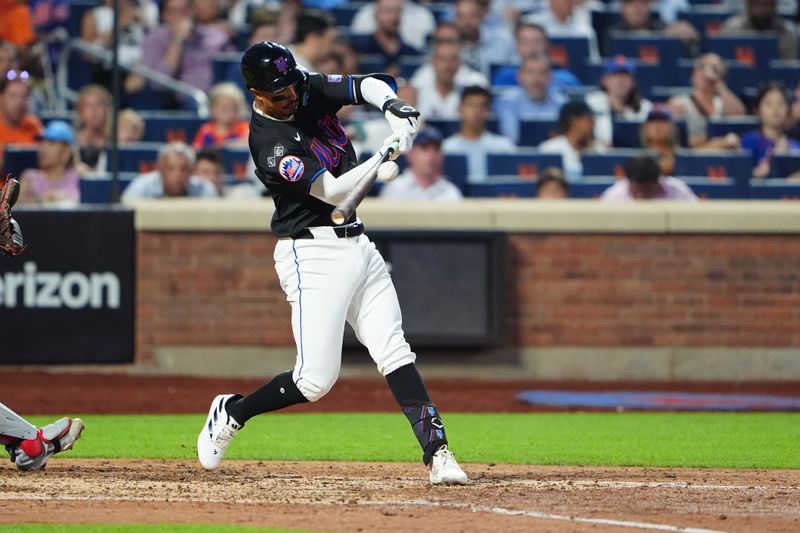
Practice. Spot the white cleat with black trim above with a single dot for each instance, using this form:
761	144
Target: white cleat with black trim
445	469
217	433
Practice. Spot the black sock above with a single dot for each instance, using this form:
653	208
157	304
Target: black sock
409	391
279	393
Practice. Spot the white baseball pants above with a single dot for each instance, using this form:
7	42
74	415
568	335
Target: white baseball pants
328	280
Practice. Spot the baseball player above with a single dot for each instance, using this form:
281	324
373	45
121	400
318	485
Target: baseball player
330	274
30	448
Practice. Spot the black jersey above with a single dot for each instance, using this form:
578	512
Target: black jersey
290	155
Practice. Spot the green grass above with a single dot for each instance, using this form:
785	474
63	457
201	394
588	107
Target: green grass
720	440
136	528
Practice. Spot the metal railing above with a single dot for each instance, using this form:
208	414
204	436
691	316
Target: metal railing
106	57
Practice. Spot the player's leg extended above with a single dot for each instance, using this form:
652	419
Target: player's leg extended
376	318
14	426
30	448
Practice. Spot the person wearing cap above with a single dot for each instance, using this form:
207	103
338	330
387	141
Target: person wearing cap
55	182
16	125
617	98
643	181
536	98
576	127
660	135
423	179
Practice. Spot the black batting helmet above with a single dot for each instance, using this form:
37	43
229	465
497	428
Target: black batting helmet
270	67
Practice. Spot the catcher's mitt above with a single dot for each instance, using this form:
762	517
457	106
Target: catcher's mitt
11	242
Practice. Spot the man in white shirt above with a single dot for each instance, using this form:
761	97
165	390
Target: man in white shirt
560	20
423	179
576	124
440	81
483	45
473	140
643	181
416	23
172	179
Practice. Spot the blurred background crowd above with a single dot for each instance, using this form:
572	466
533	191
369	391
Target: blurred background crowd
620	100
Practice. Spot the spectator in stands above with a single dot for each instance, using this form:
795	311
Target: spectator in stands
210	166
244	12
710	98
617	98
386	42
772	108
16	125
48	15
130	127
659	134
264	26
209	13
482	45
56	181
637	16
93	121
183	49
8	57
644	182
795	112
416	23
347	56
473	140
226	126
440	81
762	16
531	40
173	177
576	125
552	185
536	97
135	19
423	179
560	20
314	37
16	24
369	132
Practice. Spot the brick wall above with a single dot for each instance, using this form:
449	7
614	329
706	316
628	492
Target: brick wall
604	290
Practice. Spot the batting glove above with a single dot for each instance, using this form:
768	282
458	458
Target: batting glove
395	142
403	119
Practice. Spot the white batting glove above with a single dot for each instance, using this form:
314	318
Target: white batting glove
402	117
395	142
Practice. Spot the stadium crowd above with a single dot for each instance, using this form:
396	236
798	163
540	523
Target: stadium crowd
618	100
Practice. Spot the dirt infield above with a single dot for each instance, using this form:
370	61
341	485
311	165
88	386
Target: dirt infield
326	496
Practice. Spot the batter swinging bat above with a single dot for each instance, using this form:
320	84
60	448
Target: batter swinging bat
347	207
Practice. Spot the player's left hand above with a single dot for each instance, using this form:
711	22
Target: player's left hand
402	116
400	143
11	242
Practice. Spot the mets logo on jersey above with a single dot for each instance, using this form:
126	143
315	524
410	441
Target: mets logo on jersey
291	168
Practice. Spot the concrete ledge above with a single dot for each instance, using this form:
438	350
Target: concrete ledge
549	364
514	215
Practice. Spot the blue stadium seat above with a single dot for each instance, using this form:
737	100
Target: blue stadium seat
607	164
503	188
706	19
786	71
716	166
447	127
345	14
236	162
166	127
755	51
138	158
626	133
226	67
725	189
455	168
17	159
533	132
774	189
648	75
649	48
524	165
738	125
99	190
571	53
590	187
784	165
78	8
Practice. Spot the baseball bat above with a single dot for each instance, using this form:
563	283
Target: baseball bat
347	207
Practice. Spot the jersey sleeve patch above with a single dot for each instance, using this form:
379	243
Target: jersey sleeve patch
291	168
334	78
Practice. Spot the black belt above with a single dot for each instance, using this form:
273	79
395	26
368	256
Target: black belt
351	230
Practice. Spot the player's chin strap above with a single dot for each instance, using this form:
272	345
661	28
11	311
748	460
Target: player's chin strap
409	391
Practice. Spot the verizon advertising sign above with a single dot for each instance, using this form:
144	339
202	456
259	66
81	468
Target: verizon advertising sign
70	297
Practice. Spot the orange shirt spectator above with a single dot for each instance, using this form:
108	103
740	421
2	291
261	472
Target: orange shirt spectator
16	24
16	125
226	127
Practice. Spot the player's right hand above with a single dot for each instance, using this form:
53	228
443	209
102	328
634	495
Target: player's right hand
400	143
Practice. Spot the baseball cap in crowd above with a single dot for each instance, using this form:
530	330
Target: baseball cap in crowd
58	131
428	135
619	63
659	112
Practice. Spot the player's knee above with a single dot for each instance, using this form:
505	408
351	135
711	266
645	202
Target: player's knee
315	388
395	360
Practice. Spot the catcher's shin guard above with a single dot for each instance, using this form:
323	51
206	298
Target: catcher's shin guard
14	426
33	454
